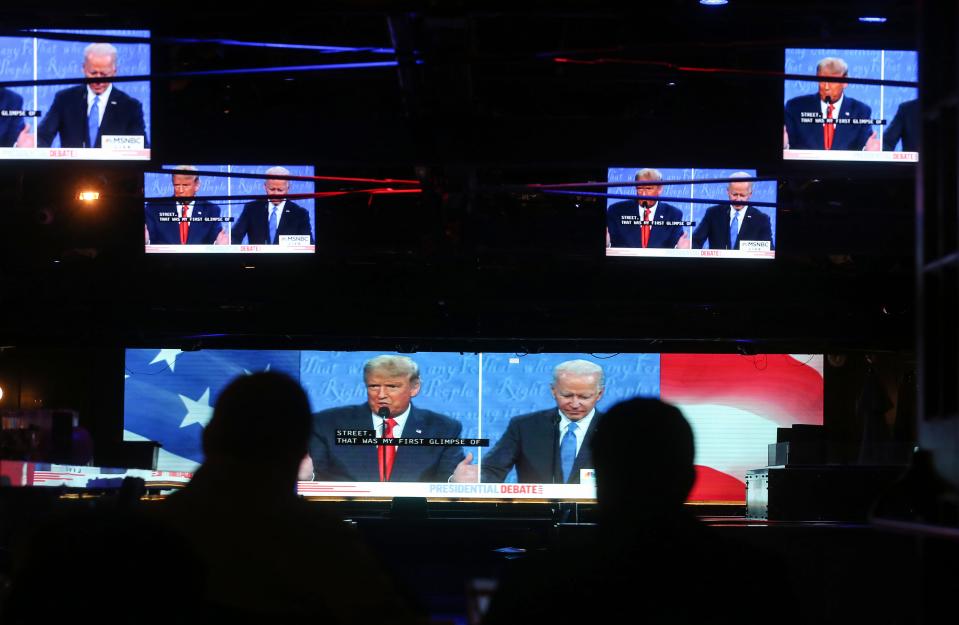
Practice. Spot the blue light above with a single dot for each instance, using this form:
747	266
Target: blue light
872	20
713	3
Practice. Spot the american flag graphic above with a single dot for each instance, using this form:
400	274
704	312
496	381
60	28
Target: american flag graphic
169	394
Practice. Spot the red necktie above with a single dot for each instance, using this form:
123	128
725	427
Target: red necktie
184	225
387	453
646	228
828	130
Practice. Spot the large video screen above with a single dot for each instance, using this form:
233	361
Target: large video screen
488	425
102	120
839	121
728	219
211	211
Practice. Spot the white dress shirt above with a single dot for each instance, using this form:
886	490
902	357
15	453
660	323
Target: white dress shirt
278	209
102	104
835	107
652	211
189	210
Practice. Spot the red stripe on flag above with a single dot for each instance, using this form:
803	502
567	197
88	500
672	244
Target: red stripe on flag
713	485
774	386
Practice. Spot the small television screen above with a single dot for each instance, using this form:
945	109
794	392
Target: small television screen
248	209
839	121
690	213
478	425
102	120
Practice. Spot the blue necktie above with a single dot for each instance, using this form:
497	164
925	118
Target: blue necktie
734	230
93	122
272	224
567	451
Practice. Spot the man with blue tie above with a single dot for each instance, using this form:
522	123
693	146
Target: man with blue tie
726	226
549	446
84	114
266	222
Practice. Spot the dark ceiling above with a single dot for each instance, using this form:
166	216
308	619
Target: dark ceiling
482	100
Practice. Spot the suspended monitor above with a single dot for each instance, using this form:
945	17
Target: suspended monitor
106	119
840	121
690	213
214	209
487	425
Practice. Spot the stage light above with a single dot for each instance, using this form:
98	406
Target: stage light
88	196
713	3
875	19
1	392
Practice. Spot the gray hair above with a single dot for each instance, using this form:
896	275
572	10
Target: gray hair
580	367
277	171
741	174
392	365
833	64
187	168
100	49
649	174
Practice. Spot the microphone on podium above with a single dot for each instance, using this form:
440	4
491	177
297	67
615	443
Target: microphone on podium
382	413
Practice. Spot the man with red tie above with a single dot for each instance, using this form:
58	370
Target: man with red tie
185	219
391	384
827	120
645	222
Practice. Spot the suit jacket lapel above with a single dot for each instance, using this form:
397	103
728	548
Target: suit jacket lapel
745	232
108	114
843	130
410	460
263	221
79	109
584	459
194	234
361	460
544	444
655	232
724	224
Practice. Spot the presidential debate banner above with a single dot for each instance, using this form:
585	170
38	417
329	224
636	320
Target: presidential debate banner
498	413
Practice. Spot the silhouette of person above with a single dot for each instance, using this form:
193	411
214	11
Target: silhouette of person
651	560
270	556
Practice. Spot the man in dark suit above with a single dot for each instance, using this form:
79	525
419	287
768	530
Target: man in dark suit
806	125
646	222
264	222
82	115
183	219
11	127
906	125
725	226
548	446
391	384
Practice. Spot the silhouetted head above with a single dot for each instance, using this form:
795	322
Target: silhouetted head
261	419
643	454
